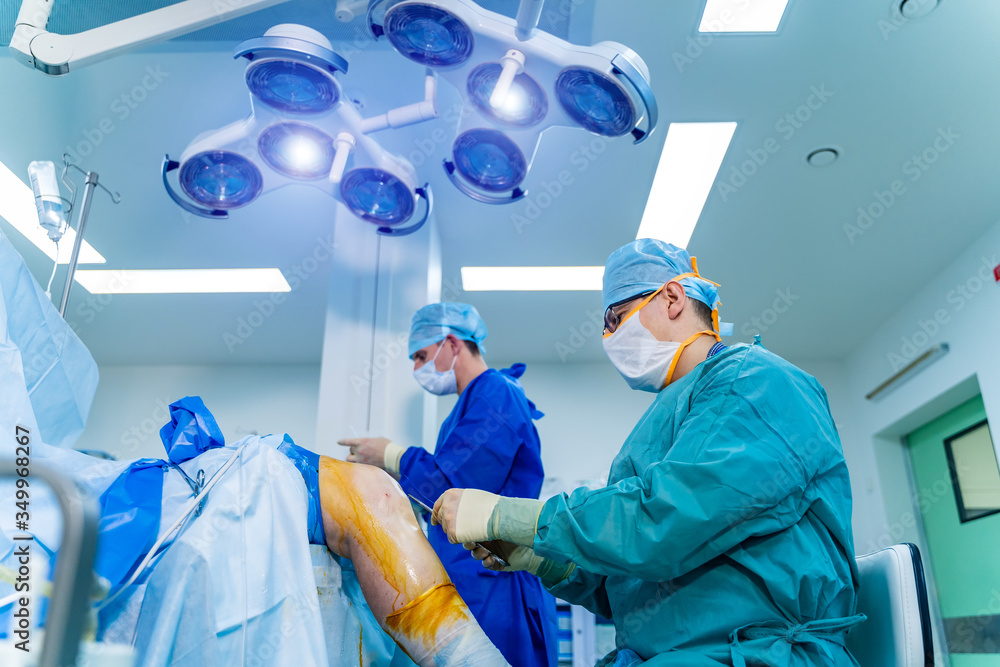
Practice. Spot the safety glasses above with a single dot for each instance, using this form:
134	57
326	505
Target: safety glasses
617	312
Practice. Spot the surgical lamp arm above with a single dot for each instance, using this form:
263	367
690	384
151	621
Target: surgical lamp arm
408	115
529	12
53	54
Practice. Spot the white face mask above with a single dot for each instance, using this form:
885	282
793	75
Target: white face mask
433	380
647	364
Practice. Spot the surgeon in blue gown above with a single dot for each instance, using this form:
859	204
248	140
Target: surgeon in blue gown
488	442
724	534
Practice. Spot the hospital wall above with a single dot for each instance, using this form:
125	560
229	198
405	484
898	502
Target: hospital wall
959	306
131	404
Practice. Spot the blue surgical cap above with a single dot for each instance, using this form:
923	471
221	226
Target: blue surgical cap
645	265
431	324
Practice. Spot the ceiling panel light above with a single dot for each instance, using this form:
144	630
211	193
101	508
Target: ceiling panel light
182	281
742	15
532	278
692	155
17	206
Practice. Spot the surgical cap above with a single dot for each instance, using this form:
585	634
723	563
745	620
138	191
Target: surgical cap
645	265
431	324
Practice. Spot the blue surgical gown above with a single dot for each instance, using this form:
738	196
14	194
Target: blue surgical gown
489	442
724	534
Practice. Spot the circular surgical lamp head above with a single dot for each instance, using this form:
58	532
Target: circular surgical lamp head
522	105
428	35
595	101
377	196
297	150
488	166
291	70
220	179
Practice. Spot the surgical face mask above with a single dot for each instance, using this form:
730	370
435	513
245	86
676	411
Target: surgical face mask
433	380
647	364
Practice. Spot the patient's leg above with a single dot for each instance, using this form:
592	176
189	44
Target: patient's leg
368	519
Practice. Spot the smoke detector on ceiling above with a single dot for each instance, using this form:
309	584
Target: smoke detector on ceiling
912	9
822	157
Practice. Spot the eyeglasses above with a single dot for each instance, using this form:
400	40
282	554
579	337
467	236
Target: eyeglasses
615	312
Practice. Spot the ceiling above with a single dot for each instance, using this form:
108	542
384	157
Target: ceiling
776	243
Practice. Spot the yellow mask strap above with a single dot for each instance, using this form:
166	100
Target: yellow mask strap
680	351
692	274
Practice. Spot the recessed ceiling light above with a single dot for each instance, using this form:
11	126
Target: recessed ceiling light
691	157
182	281
532	278
742	15
17	206
912	9
823	157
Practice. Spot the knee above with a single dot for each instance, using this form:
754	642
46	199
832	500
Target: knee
352	494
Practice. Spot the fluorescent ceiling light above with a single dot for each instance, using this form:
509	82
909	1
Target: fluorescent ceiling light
531	278
692	155
182	281
17	206
742	15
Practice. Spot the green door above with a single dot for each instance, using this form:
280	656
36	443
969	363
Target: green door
964	555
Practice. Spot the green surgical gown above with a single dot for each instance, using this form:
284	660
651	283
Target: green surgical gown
724	534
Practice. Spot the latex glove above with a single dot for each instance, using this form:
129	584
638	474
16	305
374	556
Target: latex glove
519	559
392	457
370	451
464	514
472	515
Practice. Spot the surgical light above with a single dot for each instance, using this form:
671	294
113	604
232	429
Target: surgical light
522	103
490	160
293	87
429	35
303	130
595	101
220	179
297	150
376	196
508	72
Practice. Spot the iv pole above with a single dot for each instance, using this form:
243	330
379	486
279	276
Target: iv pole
91	181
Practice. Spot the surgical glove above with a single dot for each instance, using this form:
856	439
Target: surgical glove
464	514
519	559
370	451
472	515
515	520
392	456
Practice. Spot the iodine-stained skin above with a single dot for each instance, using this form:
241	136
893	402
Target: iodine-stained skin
368	519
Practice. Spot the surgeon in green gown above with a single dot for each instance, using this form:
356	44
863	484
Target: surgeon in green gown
724	534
